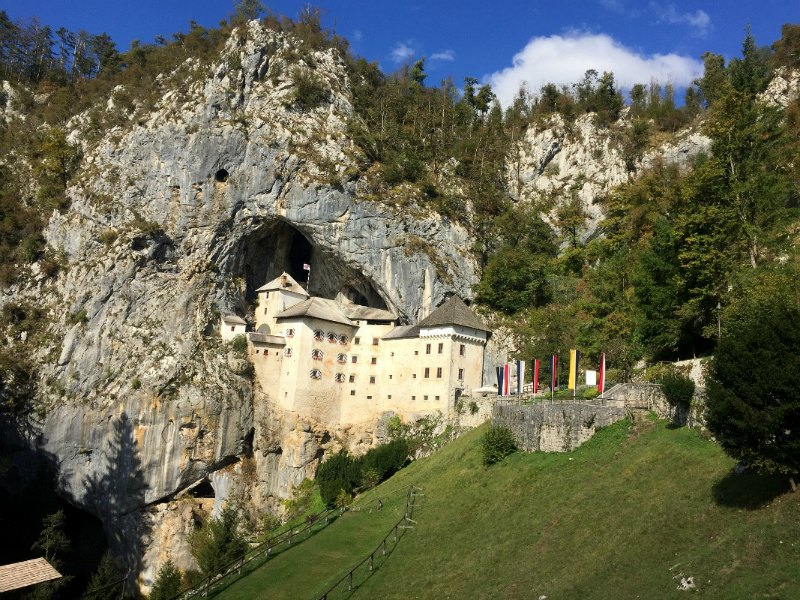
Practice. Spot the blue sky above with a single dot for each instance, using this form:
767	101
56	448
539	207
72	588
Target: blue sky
505	42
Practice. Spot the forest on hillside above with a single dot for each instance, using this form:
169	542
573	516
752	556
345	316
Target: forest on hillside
677	249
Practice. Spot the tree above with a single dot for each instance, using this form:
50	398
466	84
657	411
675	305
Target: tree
218	541
52	540
167	583
753	392
102	585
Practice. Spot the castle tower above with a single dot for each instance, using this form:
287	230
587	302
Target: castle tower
274	297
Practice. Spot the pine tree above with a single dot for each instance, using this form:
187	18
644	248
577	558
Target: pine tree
167	583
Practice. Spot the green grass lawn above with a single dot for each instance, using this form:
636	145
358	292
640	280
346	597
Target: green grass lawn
306	570
625	516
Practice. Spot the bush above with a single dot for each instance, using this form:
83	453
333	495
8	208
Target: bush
309	91
218	542
386	459
167	583
339	472
498	442
590	392
239	344
678	389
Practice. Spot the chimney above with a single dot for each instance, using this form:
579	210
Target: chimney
284	281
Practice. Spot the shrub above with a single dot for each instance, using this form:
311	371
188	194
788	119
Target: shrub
167	583
498	442
239	344
678	389
302	499
473	407
339	472
386	459
217	542
309	90
590	392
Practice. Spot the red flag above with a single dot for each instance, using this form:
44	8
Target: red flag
535	375
506	380
553	372
601	381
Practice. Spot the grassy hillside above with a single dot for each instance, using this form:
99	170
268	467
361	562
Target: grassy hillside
625	516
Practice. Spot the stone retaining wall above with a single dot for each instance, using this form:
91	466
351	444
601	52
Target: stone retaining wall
560	427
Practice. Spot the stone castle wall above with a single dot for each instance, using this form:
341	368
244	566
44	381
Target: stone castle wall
559	427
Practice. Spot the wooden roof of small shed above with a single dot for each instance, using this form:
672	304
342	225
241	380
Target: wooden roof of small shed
23	574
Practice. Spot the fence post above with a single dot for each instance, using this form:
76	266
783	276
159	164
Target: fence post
395	534
384	546
290	535
350	581
370	561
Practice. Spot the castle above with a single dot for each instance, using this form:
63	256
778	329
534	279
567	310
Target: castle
347	363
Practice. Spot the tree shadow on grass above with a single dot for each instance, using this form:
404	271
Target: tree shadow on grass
750	490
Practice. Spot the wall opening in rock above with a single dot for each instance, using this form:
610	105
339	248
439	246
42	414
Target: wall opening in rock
204	489
277	246
221	176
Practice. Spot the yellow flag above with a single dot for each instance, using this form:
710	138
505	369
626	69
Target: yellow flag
573	369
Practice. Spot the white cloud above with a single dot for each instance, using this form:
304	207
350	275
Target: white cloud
402	52
698	20
564	59
444	55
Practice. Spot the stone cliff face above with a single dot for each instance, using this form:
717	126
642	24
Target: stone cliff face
177	218
559	162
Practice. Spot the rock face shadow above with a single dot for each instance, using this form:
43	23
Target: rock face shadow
749	490
116	492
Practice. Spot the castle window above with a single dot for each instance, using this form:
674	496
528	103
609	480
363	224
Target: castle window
315	374
369	397
266	294
391	354
290	332
436	397
374	341
414	376
427	348
441	348
390	376
425	397
265	310
318	335
339	378
427	372
354	359
287	352
341	358
461	373
343	339
374	360
233	327
389	397
352	378
372	379
317	354
356	340
439	373
413	397
462	350
332	338
352	392
416	352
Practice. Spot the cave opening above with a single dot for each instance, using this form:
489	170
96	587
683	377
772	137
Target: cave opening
204	489
221	176
277	246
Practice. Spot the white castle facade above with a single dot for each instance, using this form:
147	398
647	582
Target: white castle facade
347	363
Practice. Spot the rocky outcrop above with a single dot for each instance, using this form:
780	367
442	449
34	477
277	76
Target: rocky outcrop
177	217
558	163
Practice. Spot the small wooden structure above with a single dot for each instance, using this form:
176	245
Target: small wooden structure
26	573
